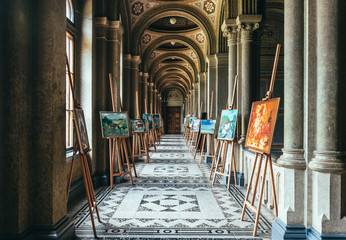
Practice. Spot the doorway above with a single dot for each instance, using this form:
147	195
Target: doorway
173	120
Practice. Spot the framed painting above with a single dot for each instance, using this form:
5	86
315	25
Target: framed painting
81	131
196	123
261	127
228	121
138	125
149	118
208	126
115	124
190	122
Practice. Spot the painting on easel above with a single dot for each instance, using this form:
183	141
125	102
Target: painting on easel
149	118
227	125
81	131
196	123
190	122
208	126
114	124
262	124
138	125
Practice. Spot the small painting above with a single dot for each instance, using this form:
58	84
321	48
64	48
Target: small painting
157	116
81	131
261	125
157	121
190	122
149	118
196	123
114	124
138	125
208	126
227	125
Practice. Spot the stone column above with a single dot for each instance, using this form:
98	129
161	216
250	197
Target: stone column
155	100
135	61
211	81
32	120
114	33
222	81
248	72
291	210
232	35
126	101
151	98
203	90
197	103
145	93
140	89
329	164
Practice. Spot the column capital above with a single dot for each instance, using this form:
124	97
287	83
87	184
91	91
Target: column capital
212	60
135	61
329	162
230	30
292	158
246	31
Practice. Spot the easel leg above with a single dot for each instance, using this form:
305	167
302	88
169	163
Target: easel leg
120	165
256	182
248	188
111	148
131	155
71	169
127	160
260	199
146	146
213	162
202	149
273	184
218	160
199	139
232	164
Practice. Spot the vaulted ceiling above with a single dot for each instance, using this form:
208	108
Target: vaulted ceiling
173	39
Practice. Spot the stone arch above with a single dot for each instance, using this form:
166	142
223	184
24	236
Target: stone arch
178	38
178	75
166	91
174	9
174	54
170	84
126	25
174	66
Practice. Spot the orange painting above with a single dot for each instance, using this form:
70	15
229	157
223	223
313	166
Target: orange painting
261	125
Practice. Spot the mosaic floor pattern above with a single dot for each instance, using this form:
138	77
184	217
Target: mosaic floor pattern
172	198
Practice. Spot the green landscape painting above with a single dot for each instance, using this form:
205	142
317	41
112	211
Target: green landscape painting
227	124
114	124
208	126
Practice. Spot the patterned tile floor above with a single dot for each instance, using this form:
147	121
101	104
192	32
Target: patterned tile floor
172	198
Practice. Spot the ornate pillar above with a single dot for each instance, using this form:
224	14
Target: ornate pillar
135	61
329	164
114	34
248	72
221	82
197	103
203	91
151	99
140	89
127	83
291	209
144	98
155	100
211	81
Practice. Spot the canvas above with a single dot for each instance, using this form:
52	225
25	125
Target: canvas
114	124
157	116
190	122
261	125
138	125
196	123
208	126
156	122
228	121
81	131
149	118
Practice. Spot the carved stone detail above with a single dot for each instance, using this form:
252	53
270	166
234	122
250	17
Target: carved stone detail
247	31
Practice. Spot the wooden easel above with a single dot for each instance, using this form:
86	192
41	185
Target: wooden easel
200	135
119	146
151	134
139	140
268	162
223	150
206	136
89	189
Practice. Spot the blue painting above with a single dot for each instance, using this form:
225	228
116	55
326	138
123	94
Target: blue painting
228	123
208	126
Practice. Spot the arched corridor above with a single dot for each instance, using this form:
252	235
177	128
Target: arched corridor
172	198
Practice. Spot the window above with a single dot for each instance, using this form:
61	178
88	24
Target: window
69	99
69	10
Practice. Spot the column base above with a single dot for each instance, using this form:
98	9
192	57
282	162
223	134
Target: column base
64	229
280	230
329	162
292	158
242	140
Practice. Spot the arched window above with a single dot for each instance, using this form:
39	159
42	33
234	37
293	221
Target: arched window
69	10
70	51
